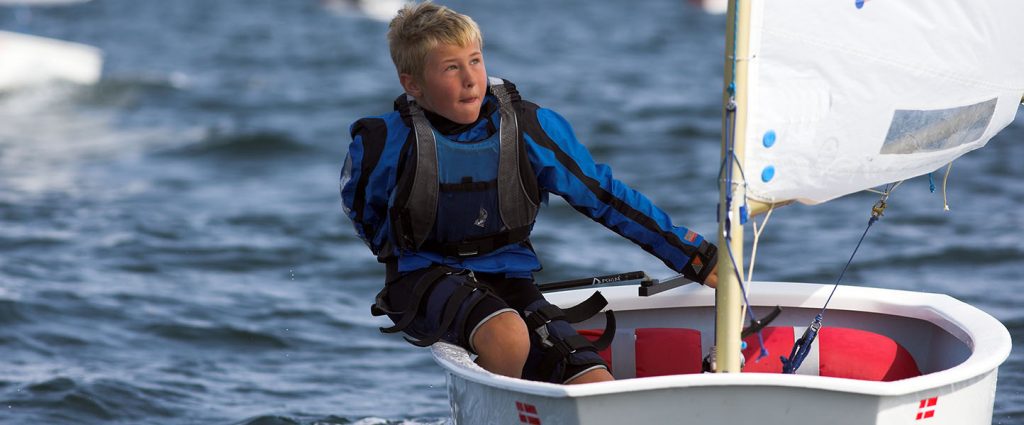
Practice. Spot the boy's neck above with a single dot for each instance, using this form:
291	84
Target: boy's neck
448	127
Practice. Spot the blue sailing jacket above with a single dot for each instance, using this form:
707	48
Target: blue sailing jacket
382	147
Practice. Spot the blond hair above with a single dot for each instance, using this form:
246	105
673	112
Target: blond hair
418	28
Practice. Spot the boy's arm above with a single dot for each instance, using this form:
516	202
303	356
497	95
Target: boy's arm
364	181
565	167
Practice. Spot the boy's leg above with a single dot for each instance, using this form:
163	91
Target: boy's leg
581	367
455	308
502	344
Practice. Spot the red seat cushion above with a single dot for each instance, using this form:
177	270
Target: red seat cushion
842	353
667	351
857	354
778	340
660	351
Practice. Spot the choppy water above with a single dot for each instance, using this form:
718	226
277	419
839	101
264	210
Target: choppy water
171	243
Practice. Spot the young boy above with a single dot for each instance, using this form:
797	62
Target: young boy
445	190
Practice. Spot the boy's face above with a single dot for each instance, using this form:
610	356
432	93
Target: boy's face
453	84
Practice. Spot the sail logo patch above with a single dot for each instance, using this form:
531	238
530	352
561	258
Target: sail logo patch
527	413
927	408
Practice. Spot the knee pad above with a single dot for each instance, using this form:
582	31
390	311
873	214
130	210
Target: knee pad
557	352
439	307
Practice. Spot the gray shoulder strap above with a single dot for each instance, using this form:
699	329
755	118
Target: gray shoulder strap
517	209
423	196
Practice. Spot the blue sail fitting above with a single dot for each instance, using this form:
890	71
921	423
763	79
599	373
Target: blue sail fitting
801	348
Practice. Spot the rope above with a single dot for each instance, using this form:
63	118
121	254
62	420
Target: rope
945	203
757	236
750	273
887	192
874	217
803	345
931	186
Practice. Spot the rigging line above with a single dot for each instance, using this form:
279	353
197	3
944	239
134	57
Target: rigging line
802	346
945	203
888	191
876	212
871	221
757	236
732	159
728	161
746	300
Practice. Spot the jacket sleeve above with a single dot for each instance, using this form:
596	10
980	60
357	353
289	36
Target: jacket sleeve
367	181
565	167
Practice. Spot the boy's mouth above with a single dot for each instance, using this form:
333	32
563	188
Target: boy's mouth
469	99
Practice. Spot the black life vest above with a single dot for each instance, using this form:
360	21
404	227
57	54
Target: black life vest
465	199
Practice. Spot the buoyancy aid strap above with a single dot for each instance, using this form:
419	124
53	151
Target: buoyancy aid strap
586	309
605	340
566	351
560	348
516	207
575	314
451	309
381	307
476	246
425	179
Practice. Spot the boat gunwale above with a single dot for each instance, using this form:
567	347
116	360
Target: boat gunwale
987	338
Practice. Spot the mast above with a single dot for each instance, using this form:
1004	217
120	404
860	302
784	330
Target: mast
728	296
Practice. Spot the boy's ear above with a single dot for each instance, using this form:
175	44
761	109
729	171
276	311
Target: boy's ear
411	86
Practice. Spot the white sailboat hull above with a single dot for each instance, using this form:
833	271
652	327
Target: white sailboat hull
958	348
28	60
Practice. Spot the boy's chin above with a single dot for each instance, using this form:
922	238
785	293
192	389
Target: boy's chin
465	118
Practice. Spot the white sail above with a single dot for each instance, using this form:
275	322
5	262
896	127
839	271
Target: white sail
848	95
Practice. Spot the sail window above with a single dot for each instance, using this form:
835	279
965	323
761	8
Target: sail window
916	131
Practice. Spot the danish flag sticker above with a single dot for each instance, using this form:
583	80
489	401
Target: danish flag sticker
527	413
926	409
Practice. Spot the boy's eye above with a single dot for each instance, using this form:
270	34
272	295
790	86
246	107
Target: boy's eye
451	68
474	61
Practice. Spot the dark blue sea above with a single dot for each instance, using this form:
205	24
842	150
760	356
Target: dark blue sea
172	246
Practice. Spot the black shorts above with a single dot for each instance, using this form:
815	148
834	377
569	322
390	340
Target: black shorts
499	295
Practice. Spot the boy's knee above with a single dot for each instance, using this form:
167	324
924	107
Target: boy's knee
505	334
